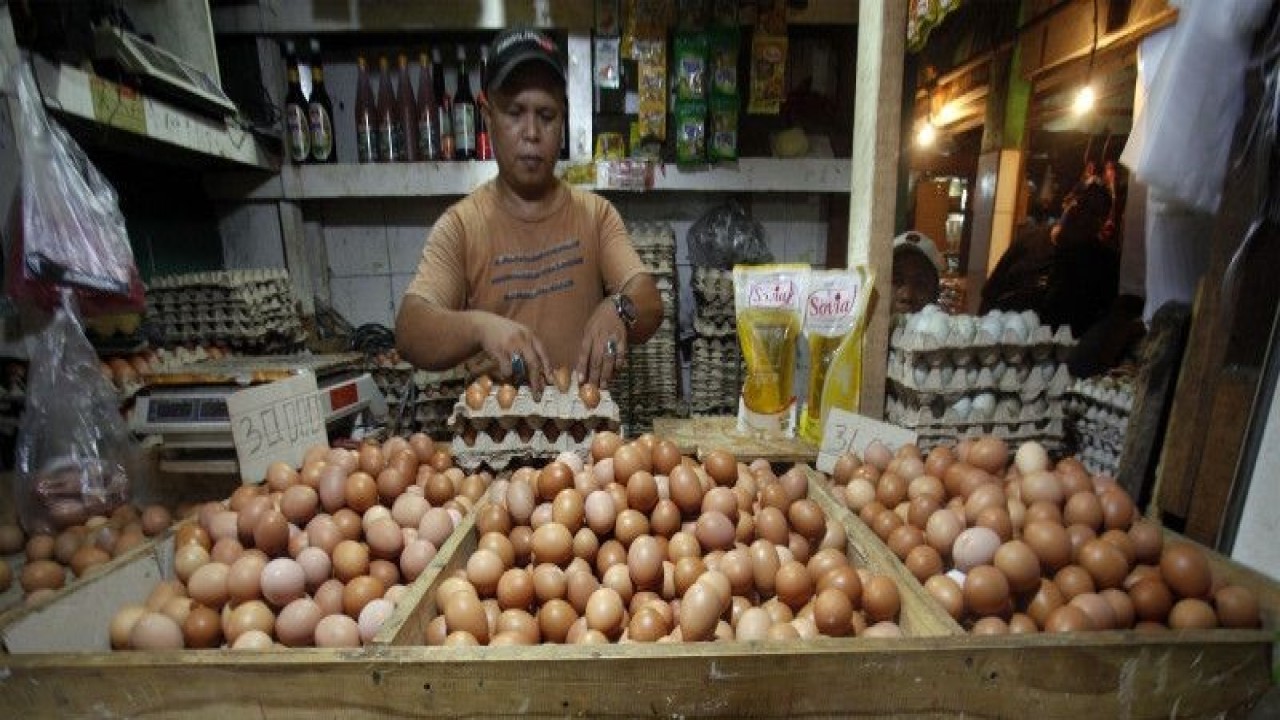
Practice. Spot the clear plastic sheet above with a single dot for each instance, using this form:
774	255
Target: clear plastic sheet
74	233
73	445
726	236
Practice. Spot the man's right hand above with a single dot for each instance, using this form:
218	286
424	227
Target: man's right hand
516	350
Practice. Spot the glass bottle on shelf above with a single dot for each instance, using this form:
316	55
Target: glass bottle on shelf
297	133
366	115
464	112
427	120
408	108
390	135
484	150
444	108
324	148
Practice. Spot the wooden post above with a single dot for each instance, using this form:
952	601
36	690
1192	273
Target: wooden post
874	177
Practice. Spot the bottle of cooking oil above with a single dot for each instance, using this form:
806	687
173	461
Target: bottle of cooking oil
834	309
767	301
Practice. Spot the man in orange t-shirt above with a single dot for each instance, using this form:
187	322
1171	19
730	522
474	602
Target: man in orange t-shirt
527	270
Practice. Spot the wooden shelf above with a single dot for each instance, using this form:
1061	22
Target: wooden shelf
73	92
427	179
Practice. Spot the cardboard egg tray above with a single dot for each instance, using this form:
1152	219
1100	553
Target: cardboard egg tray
1098	412
530	428
926	385
1050	434
1006	410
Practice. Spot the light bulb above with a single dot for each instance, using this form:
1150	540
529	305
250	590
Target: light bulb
926	134
1085	98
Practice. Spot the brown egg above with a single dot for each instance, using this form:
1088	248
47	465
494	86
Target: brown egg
686	489
208	584
1148	541
986	591
715	531
552	543
992	625
906	538
1019	564
793	584
360	591
923	562
1083	508
350	560
1117	509
474	396
947	593
880	599
990	454
1121	607
1152	599
1068	618
337	631
1074	580
885	523
1046	599
589	394
832	613
271	534
1185	570
1104	562
1237	607
700	609
1192	614
941	531
1021	624
484	570
246	617
1050	543
771	525
202	628
806	518
1099	610
87	558
155	631
605	612
555	617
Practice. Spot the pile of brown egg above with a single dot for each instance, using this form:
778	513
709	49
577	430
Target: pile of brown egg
644	545
1033	546
81	548
312	557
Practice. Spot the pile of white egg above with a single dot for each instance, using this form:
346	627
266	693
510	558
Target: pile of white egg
957	376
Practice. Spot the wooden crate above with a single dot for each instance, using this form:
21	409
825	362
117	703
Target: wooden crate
1105	674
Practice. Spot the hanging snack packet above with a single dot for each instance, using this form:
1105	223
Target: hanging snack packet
691	66
651	80
723	143
723	48
767	299
691	132
834	308
768	74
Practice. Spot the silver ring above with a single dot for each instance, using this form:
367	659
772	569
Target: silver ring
611	347
517	366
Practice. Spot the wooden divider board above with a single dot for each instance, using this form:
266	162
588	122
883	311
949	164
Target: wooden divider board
697	436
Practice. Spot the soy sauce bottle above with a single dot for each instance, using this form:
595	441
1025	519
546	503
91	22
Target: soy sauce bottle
324	148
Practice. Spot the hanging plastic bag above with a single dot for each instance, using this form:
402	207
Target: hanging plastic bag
73	444
73	233
1180	142
726	236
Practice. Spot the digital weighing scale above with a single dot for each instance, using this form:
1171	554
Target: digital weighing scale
186	407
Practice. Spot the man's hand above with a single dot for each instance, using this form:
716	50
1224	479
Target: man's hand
515	349
604	346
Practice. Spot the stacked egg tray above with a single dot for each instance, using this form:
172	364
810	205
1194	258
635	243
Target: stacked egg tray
716	369
956	376
1097	415
425	400
650	384
247	309
495	437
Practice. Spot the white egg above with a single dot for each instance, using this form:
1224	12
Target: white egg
984	406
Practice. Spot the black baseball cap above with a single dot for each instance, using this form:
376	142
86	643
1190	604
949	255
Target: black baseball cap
516	46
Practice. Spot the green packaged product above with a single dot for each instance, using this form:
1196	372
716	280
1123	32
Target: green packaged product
691	132
723	143
724	45
691	66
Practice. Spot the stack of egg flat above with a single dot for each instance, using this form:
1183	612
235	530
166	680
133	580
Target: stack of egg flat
650	384
434	398
957	376
1098	411
717	369
529	429
246	309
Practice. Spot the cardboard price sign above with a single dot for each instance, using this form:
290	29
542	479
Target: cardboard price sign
849	432
276	421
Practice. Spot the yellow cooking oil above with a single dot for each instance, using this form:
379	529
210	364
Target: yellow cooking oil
835	307
767	303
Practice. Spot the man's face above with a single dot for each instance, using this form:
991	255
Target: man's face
526	124
915	282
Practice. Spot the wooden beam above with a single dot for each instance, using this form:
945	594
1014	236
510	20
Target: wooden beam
1161	356
874	183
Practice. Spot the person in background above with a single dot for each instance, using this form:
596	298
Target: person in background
917	271
1066	273
528	271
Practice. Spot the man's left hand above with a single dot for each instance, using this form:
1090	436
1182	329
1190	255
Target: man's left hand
604	346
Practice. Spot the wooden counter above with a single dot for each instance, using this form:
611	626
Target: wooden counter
697	436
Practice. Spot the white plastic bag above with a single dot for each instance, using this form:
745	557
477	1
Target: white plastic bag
1180	143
